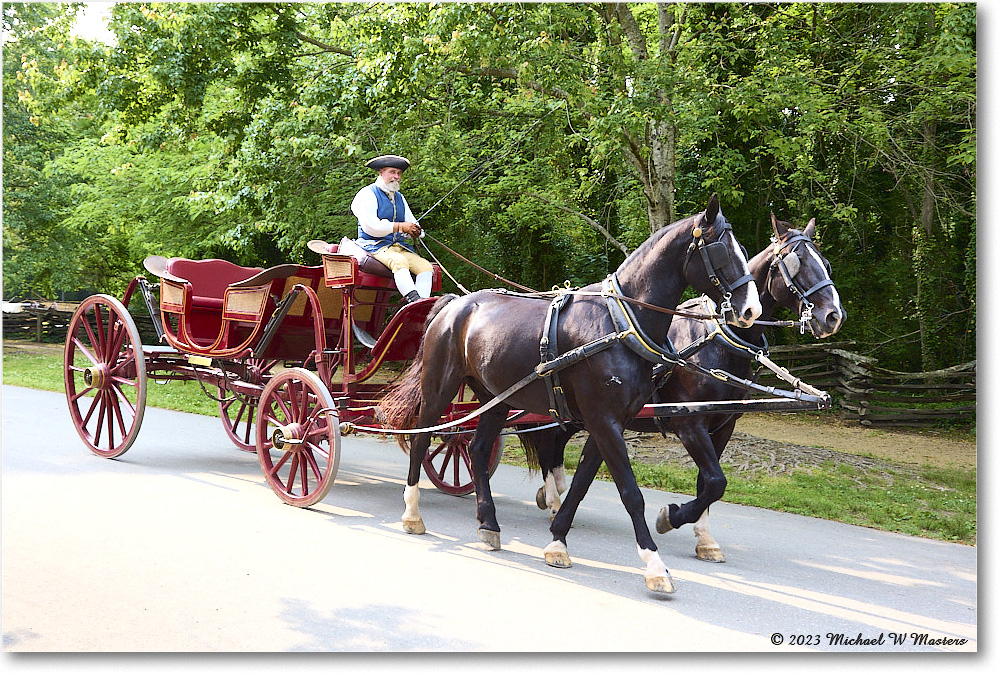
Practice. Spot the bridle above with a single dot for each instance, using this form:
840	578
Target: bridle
715	256
787	262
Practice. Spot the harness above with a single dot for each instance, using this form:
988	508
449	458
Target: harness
628	331
788	264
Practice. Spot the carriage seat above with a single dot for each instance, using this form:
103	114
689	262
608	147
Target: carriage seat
209	278
374	274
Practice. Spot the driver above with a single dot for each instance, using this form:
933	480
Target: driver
385	223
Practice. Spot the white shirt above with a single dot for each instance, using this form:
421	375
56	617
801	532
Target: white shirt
365	207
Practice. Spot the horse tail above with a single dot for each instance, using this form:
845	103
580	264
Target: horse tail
399	408
530	450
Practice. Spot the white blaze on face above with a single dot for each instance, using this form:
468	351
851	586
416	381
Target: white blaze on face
753	295
833	289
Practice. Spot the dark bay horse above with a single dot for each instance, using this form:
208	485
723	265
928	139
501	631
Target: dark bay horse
790	273
491	341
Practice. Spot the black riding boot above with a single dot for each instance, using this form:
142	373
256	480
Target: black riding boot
412	296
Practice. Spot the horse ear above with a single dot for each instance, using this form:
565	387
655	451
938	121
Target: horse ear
810	228
712	211
778	226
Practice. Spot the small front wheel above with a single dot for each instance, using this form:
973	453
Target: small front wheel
298	437
105	375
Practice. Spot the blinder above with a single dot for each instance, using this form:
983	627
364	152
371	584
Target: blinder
715	257
718	254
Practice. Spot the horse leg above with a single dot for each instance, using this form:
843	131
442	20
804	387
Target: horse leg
551	449
556	553
431	410
711	480
487	431
412	521
615	454
706	547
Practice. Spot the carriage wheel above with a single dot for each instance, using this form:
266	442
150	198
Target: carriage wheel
298	437
449	466
105	375
239	415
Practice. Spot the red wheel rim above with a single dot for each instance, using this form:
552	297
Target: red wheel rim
298	437
104	375
449	465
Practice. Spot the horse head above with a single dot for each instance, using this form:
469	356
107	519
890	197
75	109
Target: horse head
716	265
799	277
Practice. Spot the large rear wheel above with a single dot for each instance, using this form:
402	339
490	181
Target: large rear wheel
104	375
298	437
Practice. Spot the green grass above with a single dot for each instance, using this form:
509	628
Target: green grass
926	501
41	367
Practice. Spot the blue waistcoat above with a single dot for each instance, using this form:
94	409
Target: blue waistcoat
394	211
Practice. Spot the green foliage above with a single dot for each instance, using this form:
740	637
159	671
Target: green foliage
564	132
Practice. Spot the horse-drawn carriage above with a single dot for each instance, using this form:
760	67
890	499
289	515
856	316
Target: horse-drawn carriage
278	349
286	353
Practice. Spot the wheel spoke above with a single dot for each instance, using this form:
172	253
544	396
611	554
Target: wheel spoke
100	417
110	412
281	462
280	400
94	344
123	398
102	340
120	366
293	469
86	352
77	397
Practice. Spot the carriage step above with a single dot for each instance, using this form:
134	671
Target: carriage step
363	336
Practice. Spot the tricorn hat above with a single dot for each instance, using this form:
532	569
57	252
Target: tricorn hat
383	161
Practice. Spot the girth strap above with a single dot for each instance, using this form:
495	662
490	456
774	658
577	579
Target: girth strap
549	351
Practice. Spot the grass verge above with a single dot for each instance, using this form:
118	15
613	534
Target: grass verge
921	501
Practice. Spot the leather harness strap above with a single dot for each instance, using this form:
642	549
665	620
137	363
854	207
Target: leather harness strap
549	351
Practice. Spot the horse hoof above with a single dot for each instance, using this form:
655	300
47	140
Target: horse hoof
709	554
490	538
661	584
556	555
540	498
663	521
414	526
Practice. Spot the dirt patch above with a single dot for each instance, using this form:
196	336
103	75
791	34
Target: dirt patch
779	443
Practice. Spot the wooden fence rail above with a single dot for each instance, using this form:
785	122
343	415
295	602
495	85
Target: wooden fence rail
876	396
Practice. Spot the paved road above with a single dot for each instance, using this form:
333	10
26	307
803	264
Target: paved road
180	546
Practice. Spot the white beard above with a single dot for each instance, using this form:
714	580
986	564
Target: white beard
390	188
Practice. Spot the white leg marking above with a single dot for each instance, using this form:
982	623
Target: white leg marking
657	577
560	474
552	494
412	522
556	554
706	548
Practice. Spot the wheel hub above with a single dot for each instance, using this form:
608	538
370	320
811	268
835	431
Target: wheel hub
288	437
94	377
